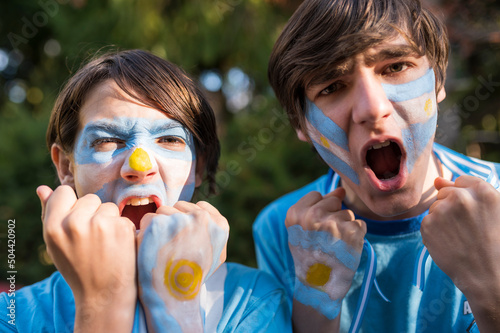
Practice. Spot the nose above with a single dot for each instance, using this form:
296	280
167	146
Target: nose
371	104
138	166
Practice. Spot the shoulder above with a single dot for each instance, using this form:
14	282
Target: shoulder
278	208
461	164
43	306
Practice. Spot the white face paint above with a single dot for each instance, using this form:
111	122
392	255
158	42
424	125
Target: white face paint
374	124
132	155
416	107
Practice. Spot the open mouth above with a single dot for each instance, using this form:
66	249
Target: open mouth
384	159
135	208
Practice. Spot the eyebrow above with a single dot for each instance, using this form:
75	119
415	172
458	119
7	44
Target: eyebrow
101	125
393	52
331	73
111	127
347	67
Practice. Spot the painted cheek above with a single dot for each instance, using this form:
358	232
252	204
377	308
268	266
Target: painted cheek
178	177
90	178
330	140
416	103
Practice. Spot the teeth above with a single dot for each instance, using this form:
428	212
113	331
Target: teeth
139	201
380	145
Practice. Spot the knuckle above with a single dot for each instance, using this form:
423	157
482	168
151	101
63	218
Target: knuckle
313	195
314	214
330	227
200	214
425	225
484	191
94	198
52	233
292	216
74	225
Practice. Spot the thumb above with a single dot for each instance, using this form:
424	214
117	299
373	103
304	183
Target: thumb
440	182
339	192
44	192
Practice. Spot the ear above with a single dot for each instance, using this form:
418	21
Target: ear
64	165
441	95
301	135
200	171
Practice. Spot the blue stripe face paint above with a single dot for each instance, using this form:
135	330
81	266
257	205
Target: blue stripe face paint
330	141
415	111
407	91
416	100
326	126
134	132
112	157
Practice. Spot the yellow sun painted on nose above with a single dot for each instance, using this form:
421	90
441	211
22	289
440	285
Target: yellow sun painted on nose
318	274
183	279
139	160
428	107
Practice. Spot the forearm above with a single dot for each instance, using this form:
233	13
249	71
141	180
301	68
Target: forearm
306	319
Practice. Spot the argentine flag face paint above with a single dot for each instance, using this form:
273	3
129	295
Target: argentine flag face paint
127	151
415	112
330	141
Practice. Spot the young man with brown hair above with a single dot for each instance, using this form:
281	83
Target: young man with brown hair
361	80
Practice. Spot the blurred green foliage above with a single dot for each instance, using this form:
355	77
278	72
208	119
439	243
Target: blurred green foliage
262	159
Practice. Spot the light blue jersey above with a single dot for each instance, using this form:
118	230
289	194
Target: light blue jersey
401	269
235	298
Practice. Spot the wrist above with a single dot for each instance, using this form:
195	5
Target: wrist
317	299
484	303
101	314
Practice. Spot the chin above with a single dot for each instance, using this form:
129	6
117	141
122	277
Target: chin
394	206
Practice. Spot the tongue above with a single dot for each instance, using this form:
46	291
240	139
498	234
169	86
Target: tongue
384	161
135	213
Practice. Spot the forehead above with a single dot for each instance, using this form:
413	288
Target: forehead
391	49
395	47
107	100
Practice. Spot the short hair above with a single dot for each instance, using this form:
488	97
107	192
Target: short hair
153	81
325	33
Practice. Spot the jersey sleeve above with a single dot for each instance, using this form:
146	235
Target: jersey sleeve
253	302
271	247
7	320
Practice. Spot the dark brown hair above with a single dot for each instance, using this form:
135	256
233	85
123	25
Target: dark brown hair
149	79
322	34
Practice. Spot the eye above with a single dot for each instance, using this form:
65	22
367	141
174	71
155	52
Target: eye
107	144
397	67
172	143
334	87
